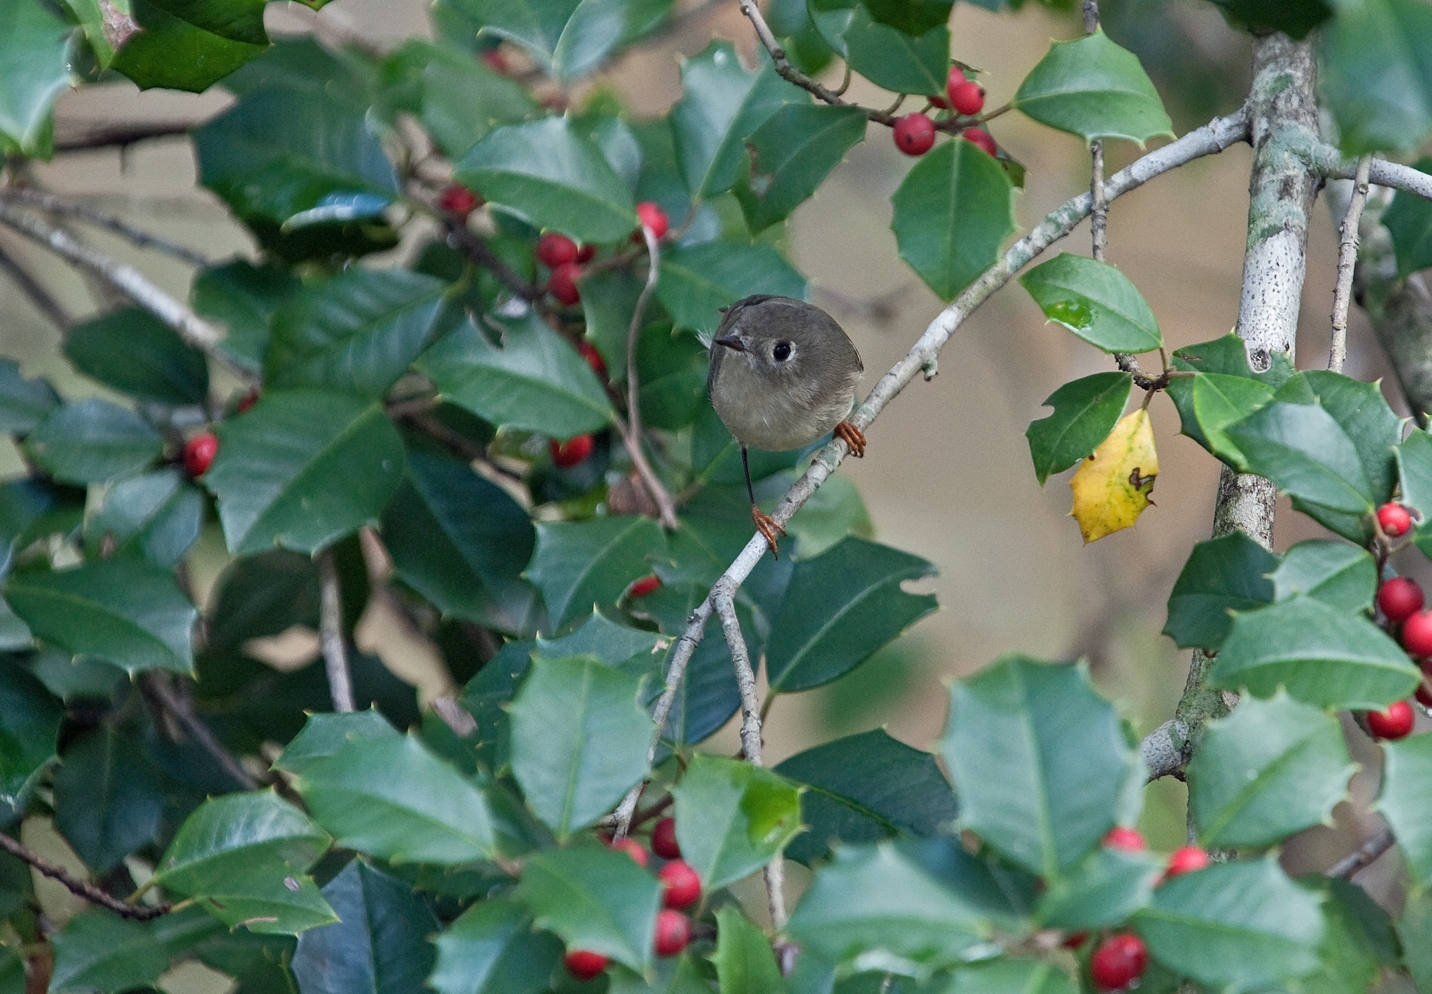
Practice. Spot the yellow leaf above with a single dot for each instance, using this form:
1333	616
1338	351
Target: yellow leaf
1112	487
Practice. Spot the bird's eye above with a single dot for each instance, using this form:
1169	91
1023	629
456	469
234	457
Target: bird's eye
782	351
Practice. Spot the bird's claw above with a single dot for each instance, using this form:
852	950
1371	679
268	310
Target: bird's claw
853	437
768	527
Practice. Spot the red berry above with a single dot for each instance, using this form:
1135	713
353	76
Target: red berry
1125	839
594	359
1186	860
967	96
914	134
584	964
563	284
567	454
1394	519
663	839
248	400
554	248
682	884
641	588
495	61
939	101
1417	634
459	200
1399	598
199	453
1424	695
981	138
652	217
1119	961
673	932
632	848
586	253
1394	723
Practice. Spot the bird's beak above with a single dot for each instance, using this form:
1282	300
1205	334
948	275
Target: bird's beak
732	342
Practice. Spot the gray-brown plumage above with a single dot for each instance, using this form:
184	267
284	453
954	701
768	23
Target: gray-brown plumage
783	373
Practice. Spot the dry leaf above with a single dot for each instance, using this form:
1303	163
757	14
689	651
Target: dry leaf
1112	487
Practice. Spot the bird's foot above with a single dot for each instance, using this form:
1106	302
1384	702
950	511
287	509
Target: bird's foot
767	526
853	437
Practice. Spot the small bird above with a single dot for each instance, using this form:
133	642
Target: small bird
783	373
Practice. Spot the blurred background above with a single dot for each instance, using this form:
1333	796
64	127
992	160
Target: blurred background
947	474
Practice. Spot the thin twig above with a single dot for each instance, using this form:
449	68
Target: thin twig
83	888
139	288
182	709
1329	163
330	632
1347	260
632	436
1212	138
478	251
791	74
43	300
51	204
1363	856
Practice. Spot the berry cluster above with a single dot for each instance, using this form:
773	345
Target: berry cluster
1400	600
681	888
1119	961
915	133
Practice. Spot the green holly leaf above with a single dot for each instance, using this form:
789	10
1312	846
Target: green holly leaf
1092	88
1210	402
1221	576
1012	975
721	106
885	49
1085	411
463	99
594	898
329	733
302	469
839	609
1322	655
1357	940
23	403
1012	733
671	369
552	176
356	332
1408	220
732	818
1235	926
492	949
1095	301
109	799
1294	18
876	906
1414	929
128	612
90	441
34	71
864	788
136	353
243	857
154	515
1375	76
743	959
215	37
1336	573
597	28
533	381
1269	769
1403	801
791	154
244	298
462	543
29	724
698	281
567	781
380	941
953	212
98	951
1103	890
581	563
392	797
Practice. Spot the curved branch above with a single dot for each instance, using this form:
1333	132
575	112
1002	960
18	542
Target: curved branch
1214	137
631	431
51	204
330	633
83	888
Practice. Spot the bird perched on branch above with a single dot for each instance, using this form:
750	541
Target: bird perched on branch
783	373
